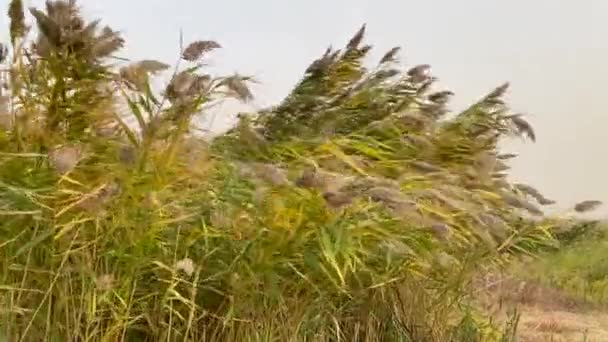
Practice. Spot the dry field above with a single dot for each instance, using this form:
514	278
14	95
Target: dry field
546	314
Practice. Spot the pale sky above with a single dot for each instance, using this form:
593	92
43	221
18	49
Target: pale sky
554	53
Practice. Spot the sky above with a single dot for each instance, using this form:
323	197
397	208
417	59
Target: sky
554	54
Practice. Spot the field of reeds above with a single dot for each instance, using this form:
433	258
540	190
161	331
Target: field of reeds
357	209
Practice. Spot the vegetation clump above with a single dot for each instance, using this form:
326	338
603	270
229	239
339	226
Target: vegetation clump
356	209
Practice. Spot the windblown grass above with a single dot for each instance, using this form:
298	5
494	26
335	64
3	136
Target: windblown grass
354	210
579	269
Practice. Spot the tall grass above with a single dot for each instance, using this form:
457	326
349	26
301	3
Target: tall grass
579	269
354	210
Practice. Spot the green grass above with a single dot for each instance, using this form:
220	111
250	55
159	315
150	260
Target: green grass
354	210
579	269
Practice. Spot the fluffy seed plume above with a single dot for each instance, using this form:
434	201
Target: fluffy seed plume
365	49
586	206
506	156
523	126
440	230
197	49
47	27
17	17
308	179
500	166
336	199
200	84
108	42
441	97
391	55
532	192
495	224
386	74
237	86
419	73
320	64
498	92
273	174
417	140
185	265
425	167
137	73
354	42
135	76
519	203
545	201
388	196
65	158
501	183
267	172
152	66
180	85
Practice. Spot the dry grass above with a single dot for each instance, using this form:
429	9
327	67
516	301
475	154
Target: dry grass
547	312
567	301
539	324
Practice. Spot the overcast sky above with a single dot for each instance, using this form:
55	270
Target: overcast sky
554	53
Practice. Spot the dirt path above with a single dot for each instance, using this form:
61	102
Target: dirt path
540	325
546	314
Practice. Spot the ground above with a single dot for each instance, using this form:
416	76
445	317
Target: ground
538	324
546	313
